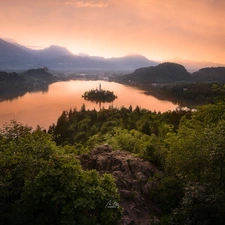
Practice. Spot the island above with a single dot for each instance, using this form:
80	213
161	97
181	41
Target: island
99	95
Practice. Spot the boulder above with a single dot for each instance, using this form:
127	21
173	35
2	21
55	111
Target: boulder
131	175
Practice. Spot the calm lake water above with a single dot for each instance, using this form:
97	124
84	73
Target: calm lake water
43	109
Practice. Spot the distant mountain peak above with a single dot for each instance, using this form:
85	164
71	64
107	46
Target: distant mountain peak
134	55
83	54
57	49
9	49
9	40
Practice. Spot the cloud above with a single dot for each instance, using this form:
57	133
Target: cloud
190	29
87	4
78	3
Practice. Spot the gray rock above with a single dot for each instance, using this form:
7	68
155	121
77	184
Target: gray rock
132	179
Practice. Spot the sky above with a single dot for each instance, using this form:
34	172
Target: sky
157	29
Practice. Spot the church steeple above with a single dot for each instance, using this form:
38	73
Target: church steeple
100	87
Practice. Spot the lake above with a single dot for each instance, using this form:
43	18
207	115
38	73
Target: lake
44	108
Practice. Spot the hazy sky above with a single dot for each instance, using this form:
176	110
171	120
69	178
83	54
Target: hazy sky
157	29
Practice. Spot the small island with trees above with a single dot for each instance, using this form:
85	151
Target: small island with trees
99	95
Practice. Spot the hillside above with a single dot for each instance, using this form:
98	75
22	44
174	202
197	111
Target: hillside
12	56
12	80
212	74
162	73
39	75
14	84
116	167
173	73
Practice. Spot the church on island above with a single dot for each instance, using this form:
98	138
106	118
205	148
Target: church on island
99	95
99	89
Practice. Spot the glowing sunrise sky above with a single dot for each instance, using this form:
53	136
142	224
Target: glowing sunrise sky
157	29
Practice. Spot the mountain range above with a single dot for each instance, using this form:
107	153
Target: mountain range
17	57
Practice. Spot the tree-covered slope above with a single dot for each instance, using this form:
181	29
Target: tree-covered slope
188	147
41	75
14	84
11	81
168	167
196	92
210	74
172	73
162	73
42	184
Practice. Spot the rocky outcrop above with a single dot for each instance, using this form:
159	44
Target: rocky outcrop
132	178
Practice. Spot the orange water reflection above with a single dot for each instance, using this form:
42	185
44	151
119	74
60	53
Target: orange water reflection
45	108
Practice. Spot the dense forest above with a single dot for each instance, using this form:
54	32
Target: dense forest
196	92
42	181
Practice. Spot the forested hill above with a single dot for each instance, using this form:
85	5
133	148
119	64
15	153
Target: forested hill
162	168
39	75
14	84
213	74
171	72
162	73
